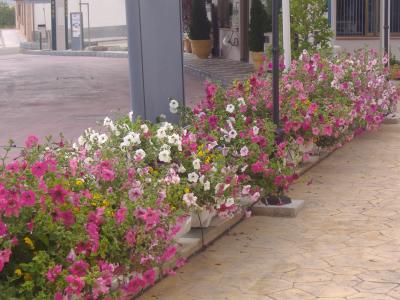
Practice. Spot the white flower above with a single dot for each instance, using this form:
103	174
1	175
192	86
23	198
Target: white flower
131	116
81	141
196	164
88	160
161	133
246	190
229	202
230	108
94	137
174	139
173	106
207	185
244	151
190	199
256	130
165	156
232	133
103	138
139	155
75	146
193	177
241	101
181	169
108	122
132	138
144	128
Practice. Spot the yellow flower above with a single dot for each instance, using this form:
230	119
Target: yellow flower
200	154
151	169
29	243
18	272
76	209
79	182
106	203
208	159
187	190
93	203
97	196
27	277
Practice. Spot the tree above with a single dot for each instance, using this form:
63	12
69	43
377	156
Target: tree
260	23
308	19
200	26
7	15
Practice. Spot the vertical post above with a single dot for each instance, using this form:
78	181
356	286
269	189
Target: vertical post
286	33
275	60
66	22
386	28
155	56
53	25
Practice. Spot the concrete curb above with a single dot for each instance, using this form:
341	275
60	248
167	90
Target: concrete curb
111	54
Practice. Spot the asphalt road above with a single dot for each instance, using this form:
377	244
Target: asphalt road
45	95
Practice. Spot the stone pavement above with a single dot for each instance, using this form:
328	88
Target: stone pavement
345	244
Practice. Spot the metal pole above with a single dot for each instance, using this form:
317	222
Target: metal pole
275	60
40	41
386	28
286	33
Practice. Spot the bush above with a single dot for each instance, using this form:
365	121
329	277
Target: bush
200	26
7	15
260	23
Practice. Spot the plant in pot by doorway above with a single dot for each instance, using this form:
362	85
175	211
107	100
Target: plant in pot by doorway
199	30
260	23
394	68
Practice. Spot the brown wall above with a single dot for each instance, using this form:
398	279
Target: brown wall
25	19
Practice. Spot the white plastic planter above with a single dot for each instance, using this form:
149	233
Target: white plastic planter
185	228
202	219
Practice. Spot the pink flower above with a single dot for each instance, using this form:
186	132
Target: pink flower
130	237
169	253
149	276
100	287
328	130
75	285
28	198
93	231
135	193
4	258
134	286
213	121
73	164
13	167
31	141
300	140
53	273
58	194
10	204
120	214
58	296
38	169
79	268
3	229
315	131
257	167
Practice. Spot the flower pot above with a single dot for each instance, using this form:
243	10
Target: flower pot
187	45
185	228
201	48
257	58
203	218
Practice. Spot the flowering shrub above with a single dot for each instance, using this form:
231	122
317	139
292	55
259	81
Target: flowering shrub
97	219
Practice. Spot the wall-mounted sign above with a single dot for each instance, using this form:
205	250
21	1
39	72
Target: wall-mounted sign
76	31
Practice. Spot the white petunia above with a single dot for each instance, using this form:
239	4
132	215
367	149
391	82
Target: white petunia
144	128
207	186
173	106
81	141
161	133
107	122
244	151
140	154
232	134
256	130
230	108
190	199
103	138
196	164
193	177
165	156
229	202
181	169
241	101
131	116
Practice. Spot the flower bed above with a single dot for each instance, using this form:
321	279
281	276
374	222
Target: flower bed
97	219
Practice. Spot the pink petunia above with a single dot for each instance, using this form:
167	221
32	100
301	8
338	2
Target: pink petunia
149	276
31	141
75	285
120	214
58	194
38	169
4	258
28	198
53	273
130	237
79	268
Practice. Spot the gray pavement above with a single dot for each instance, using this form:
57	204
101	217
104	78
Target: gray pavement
45	95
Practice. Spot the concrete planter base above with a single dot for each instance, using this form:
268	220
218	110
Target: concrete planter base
289	211
393	118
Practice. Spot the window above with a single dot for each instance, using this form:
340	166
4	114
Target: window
362	17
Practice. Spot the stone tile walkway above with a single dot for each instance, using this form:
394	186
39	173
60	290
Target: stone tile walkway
224	71
345	245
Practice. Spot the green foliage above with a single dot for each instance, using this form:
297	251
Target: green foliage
260	23
200	26
308	18
7	15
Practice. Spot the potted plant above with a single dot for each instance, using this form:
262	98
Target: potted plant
199	30
394	68
259	24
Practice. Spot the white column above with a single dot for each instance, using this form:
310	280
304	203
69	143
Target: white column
286	33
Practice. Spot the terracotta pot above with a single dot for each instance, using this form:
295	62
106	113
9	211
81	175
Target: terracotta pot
257	59
201	48
187	45
203	218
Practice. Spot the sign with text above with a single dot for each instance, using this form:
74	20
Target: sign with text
76	31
